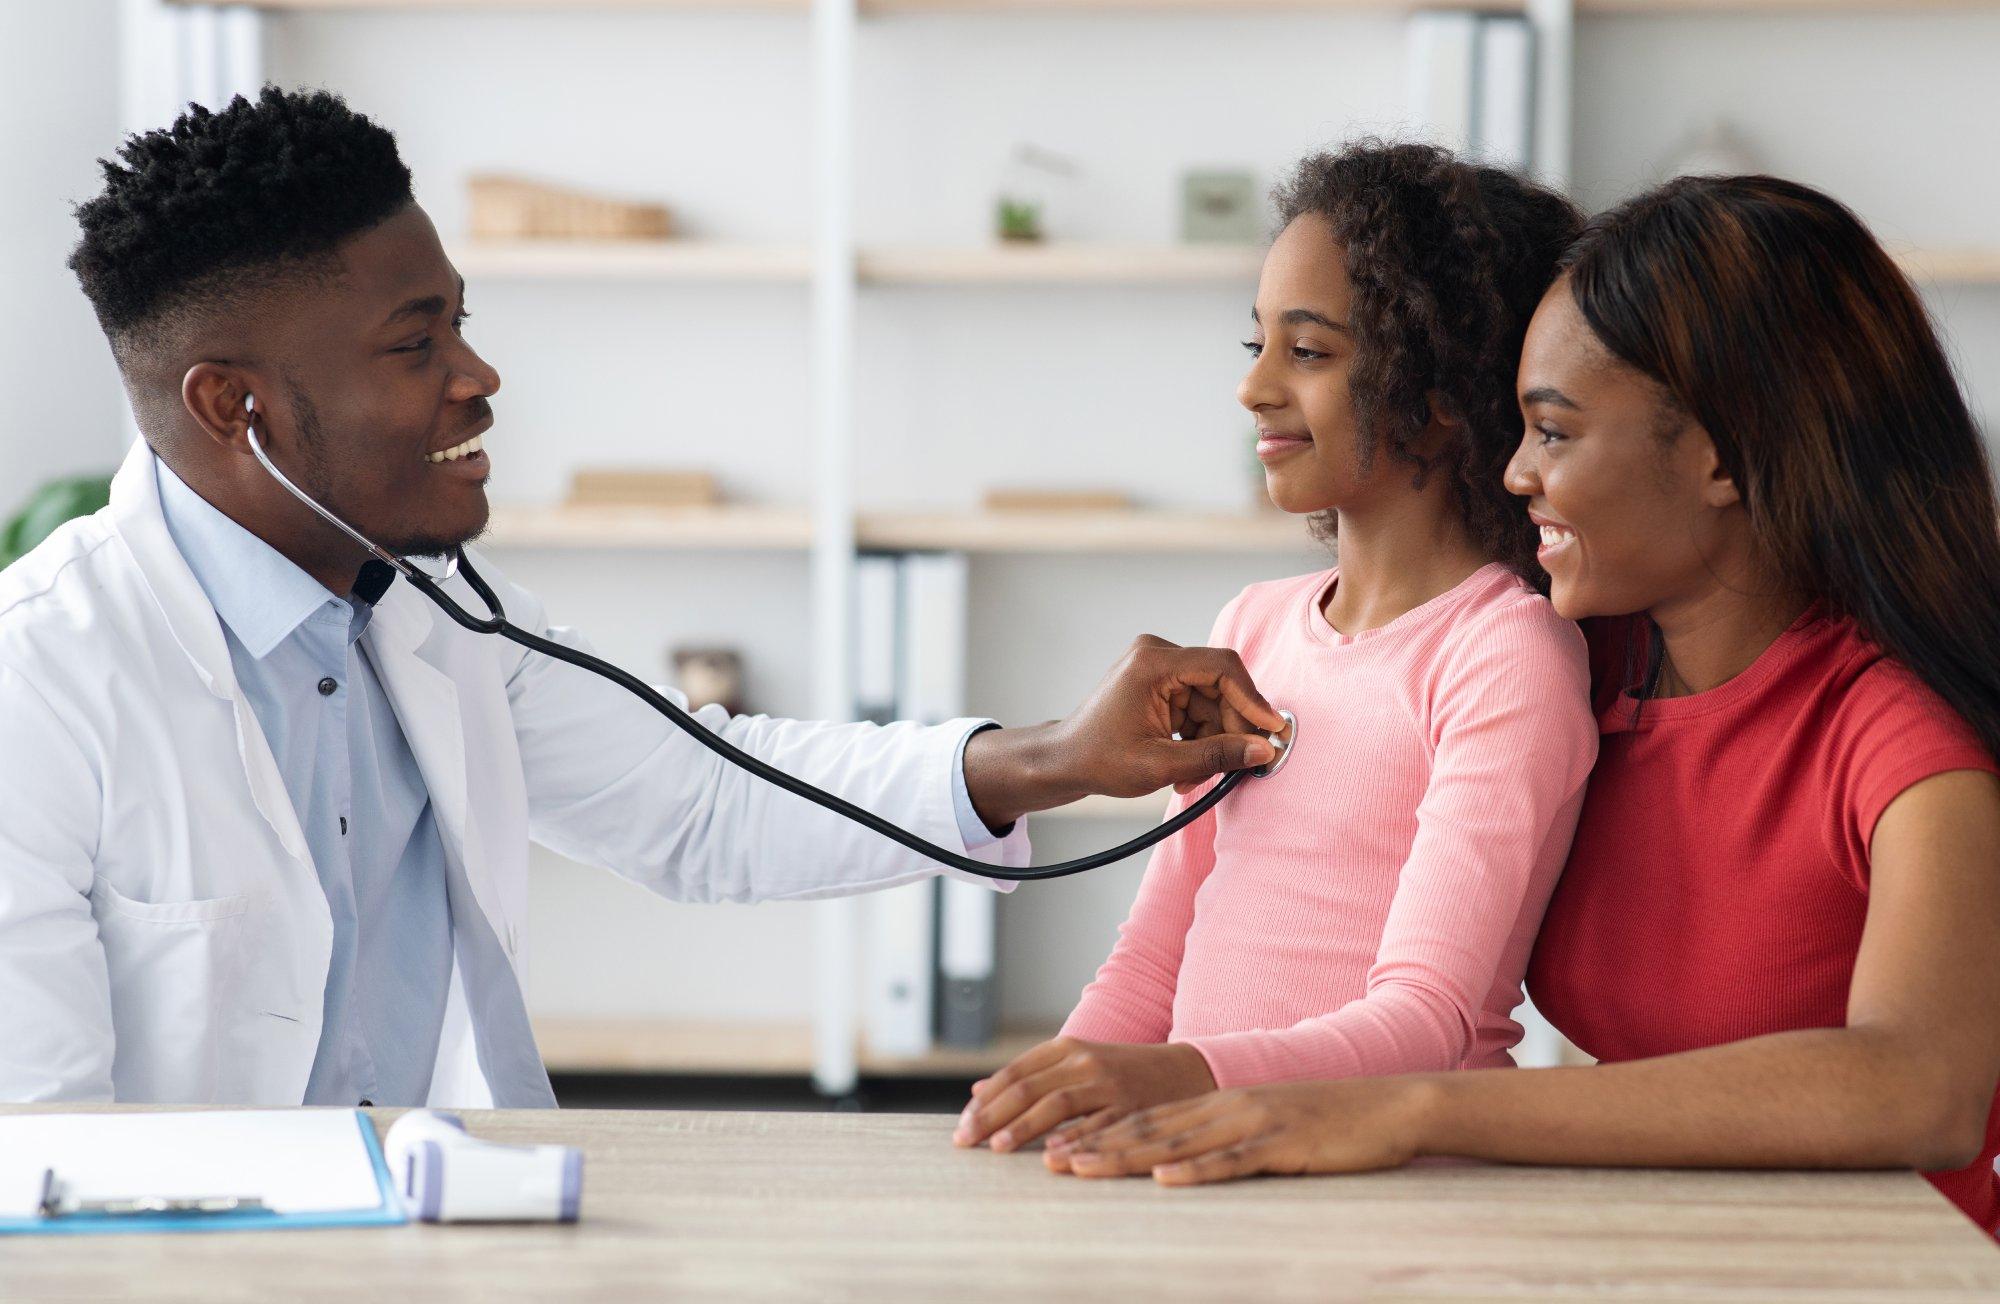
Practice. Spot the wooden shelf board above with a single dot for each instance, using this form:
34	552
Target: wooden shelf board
1062	264
788	5
1050	264
993	265
1135	531
1166	6
750	529
1614	7
653	260
886	6
892	7
768	529
572	1045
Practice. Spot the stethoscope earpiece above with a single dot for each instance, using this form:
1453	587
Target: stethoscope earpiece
401	565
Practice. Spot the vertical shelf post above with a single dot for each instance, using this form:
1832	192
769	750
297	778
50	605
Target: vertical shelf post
837	926
1555	84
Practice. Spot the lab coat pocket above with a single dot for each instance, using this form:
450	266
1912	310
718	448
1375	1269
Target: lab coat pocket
176	970
107	899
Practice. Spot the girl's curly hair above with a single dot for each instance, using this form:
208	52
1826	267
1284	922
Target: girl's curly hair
1448	260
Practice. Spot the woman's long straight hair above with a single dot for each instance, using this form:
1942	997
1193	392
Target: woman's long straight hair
1770	314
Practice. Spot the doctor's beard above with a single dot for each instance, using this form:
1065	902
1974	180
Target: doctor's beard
315	476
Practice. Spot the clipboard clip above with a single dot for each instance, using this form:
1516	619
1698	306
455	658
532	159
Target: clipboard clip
56	1204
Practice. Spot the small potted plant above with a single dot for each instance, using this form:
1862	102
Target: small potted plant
1028	191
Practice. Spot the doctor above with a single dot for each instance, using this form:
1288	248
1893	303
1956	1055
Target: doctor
264	816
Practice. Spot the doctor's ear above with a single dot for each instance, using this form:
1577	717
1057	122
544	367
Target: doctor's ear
216	396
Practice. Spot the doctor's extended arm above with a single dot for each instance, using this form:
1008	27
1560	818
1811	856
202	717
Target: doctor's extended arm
55	1015
1163	715
612	783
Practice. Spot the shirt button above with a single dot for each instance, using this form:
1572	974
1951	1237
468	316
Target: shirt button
327	686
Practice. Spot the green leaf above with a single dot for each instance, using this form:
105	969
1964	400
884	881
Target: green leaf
48	508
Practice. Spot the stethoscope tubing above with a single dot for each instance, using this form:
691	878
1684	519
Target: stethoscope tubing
496	622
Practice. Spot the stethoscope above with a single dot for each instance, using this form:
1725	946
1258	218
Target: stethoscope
496	622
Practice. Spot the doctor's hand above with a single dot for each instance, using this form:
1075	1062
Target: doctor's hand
1084	1085
1121	742
1351	1126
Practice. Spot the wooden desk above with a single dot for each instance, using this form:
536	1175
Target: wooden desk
881	1207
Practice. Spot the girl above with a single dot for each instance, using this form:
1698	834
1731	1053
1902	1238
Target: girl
1777	923
1370	908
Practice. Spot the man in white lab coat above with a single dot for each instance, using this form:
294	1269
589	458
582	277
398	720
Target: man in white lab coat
264	812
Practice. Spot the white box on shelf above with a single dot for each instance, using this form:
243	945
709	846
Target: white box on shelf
931	667
877	636
1503	119
1443	54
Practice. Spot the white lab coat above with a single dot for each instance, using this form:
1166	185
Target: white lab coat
163	934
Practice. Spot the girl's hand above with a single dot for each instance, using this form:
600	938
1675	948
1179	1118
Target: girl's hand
1350	1126
1092	1082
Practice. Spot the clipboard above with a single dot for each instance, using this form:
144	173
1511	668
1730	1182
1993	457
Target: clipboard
352	1170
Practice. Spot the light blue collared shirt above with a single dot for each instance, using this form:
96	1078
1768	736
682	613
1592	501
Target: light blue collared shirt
360	798
370	826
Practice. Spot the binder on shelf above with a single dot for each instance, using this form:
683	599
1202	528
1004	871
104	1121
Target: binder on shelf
929	967
1471	84
931	665
965	995
1443	63
1503	121
968	993
877	635
896	1007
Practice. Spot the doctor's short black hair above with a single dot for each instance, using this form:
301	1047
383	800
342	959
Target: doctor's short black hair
195	215
1448	259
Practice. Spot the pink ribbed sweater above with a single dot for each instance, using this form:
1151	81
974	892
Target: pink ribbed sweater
1369	909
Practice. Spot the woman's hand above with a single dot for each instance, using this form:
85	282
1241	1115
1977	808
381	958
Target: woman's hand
1351	1126
1094	1083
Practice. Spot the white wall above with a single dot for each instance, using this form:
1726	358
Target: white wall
59	92
1897	115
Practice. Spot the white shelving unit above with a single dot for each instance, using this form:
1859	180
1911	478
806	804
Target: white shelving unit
215	50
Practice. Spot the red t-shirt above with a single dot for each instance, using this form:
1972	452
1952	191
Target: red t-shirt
1718	883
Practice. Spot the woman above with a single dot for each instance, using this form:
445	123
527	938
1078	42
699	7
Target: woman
1777	924
1370	910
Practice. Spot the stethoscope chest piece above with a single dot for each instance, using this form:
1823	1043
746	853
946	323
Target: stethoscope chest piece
1284	741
